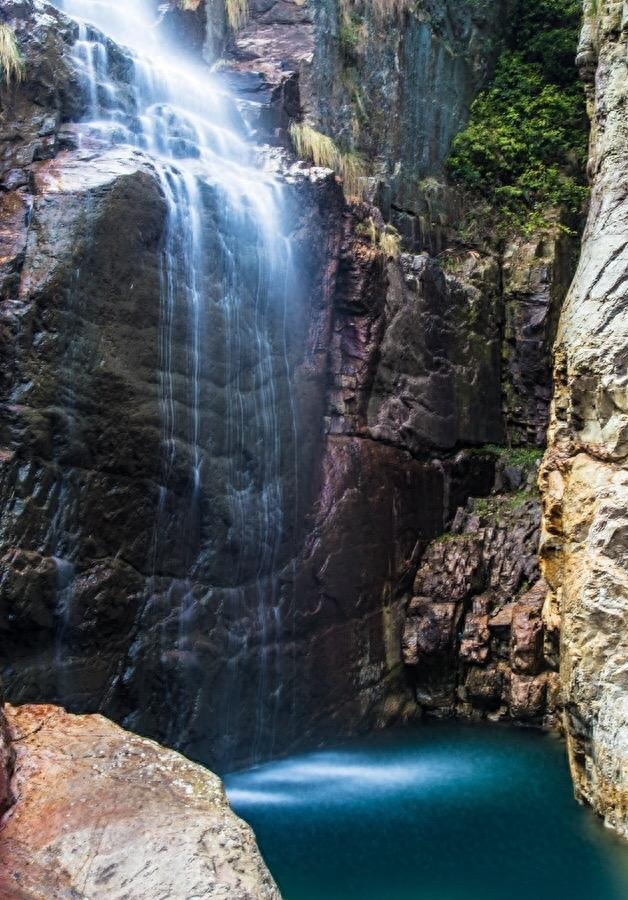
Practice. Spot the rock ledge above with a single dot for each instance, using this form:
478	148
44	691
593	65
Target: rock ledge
104	813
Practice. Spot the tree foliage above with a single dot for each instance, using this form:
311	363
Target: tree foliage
524	148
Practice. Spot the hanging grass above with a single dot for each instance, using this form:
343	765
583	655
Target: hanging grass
390	242
10	58
387	240
237	13
322	151
352	170
311	144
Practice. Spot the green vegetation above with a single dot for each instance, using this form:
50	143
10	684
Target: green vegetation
498	505
10	58
350	32
524	150
448	537
526	457
322	151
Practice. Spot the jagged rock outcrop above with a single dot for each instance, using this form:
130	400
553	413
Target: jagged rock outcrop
101	813
584	479
474	637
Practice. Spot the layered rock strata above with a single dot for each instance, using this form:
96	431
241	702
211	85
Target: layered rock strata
101	813
584	480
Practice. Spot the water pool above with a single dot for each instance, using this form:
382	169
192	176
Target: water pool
437	812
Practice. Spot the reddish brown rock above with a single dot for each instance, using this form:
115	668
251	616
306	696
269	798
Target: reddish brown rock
474	646
451	569
494	628
439	622
527	632
527	695
102	813
485	686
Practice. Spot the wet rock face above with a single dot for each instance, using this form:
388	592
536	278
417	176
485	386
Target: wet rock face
115	587
143	597
474	637
584	480
390	82
536	275
103	813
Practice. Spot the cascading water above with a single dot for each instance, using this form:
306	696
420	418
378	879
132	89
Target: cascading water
189	129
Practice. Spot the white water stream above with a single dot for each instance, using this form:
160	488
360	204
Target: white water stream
183	120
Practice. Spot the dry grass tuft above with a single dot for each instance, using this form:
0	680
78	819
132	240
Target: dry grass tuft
390	242
311	144
10	57
322	151
387	241
352	170
237	13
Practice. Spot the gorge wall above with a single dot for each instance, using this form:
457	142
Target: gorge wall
392	372
584	473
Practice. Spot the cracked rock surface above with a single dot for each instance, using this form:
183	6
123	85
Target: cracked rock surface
100	812
585	475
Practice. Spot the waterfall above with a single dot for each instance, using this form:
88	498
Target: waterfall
181	119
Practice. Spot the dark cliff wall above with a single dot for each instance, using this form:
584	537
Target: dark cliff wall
118	598
390	83
458	355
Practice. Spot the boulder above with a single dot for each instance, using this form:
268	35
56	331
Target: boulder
102	813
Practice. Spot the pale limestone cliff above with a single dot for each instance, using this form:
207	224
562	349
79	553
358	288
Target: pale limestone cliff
585	475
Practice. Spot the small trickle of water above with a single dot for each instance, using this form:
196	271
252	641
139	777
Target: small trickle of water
65	574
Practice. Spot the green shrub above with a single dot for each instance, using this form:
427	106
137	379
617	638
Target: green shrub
524	149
